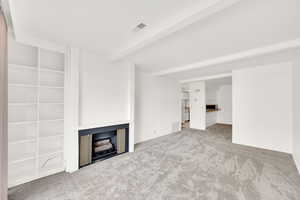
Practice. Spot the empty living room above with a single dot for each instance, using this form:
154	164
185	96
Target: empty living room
150	100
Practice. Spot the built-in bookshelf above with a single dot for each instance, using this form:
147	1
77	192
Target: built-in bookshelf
35	112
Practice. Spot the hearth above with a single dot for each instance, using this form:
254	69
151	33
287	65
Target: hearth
101	143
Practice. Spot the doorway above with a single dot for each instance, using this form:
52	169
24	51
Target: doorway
207	103
185	109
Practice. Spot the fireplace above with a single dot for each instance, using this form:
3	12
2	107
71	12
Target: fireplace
102	143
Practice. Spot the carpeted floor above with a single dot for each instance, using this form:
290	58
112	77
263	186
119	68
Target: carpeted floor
186	165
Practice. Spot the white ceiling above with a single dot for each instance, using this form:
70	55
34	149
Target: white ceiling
100	26
212	71
218	82
246	25
211	83
105	27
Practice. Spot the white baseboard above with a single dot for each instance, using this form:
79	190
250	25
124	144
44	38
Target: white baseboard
260	146
102	124
226	123
297	162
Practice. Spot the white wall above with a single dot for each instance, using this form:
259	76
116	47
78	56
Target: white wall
3	109
224	98
157	109
211	95
103	91
262	112
211	98
106	97
71	110
198	105
296	113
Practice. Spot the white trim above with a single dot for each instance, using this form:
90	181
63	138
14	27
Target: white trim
21	181
171	27
35	68
297	162
71	109
37	153
103	124
131	106
225	123
21	160
3	111
234	57
41	43
206	78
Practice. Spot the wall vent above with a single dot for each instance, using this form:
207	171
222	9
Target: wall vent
139	27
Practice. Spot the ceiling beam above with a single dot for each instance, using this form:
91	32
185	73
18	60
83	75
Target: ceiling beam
205	78
172	27
291	44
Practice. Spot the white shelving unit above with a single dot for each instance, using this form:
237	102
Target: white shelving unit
35	112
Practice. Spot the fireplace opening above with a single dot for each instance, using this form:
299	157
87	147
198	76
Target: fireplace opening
101	143
104	145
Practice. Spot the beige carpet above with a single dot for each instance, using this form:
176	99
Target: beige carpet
186	165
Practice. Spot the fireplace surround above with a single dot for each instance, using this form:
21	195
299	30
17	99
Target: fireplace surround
102	143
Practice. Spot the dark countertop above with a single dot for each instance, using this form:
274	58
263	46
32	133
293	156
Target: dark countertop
212	110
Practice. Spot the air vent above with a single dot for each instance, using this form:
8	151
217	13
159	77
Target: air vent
139	27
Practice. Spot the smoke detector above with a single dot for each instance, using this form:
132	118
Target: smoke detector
139	27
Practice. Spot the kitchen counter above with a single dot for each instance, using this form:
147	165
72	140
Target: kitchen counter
212	110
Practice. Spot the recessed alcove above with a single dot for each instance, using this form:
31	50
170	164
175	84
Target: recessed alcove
35	112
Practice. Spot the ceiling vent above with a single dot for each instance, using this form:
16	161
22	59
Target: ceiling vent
139	27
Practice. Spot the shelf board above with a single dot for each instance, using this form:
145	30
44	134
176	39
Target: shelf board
22	85
52	136
23	66
31	104
59	103
51	70
21	160
22	104
50	154
32	122
51	87
22	122
22	141
51	120
35	86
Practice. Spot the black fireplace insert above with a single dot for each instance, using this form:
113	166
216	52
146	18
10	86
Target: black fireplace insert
102	143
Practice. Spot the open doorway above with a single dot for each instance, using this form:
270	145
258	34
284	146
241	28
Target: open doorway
207	104
185	107
218	101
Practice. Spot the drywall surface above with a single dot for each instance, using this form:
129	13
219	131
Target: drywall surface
157	106
211	95
296	113
198	105
224	98
3	108
262	107
103	91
